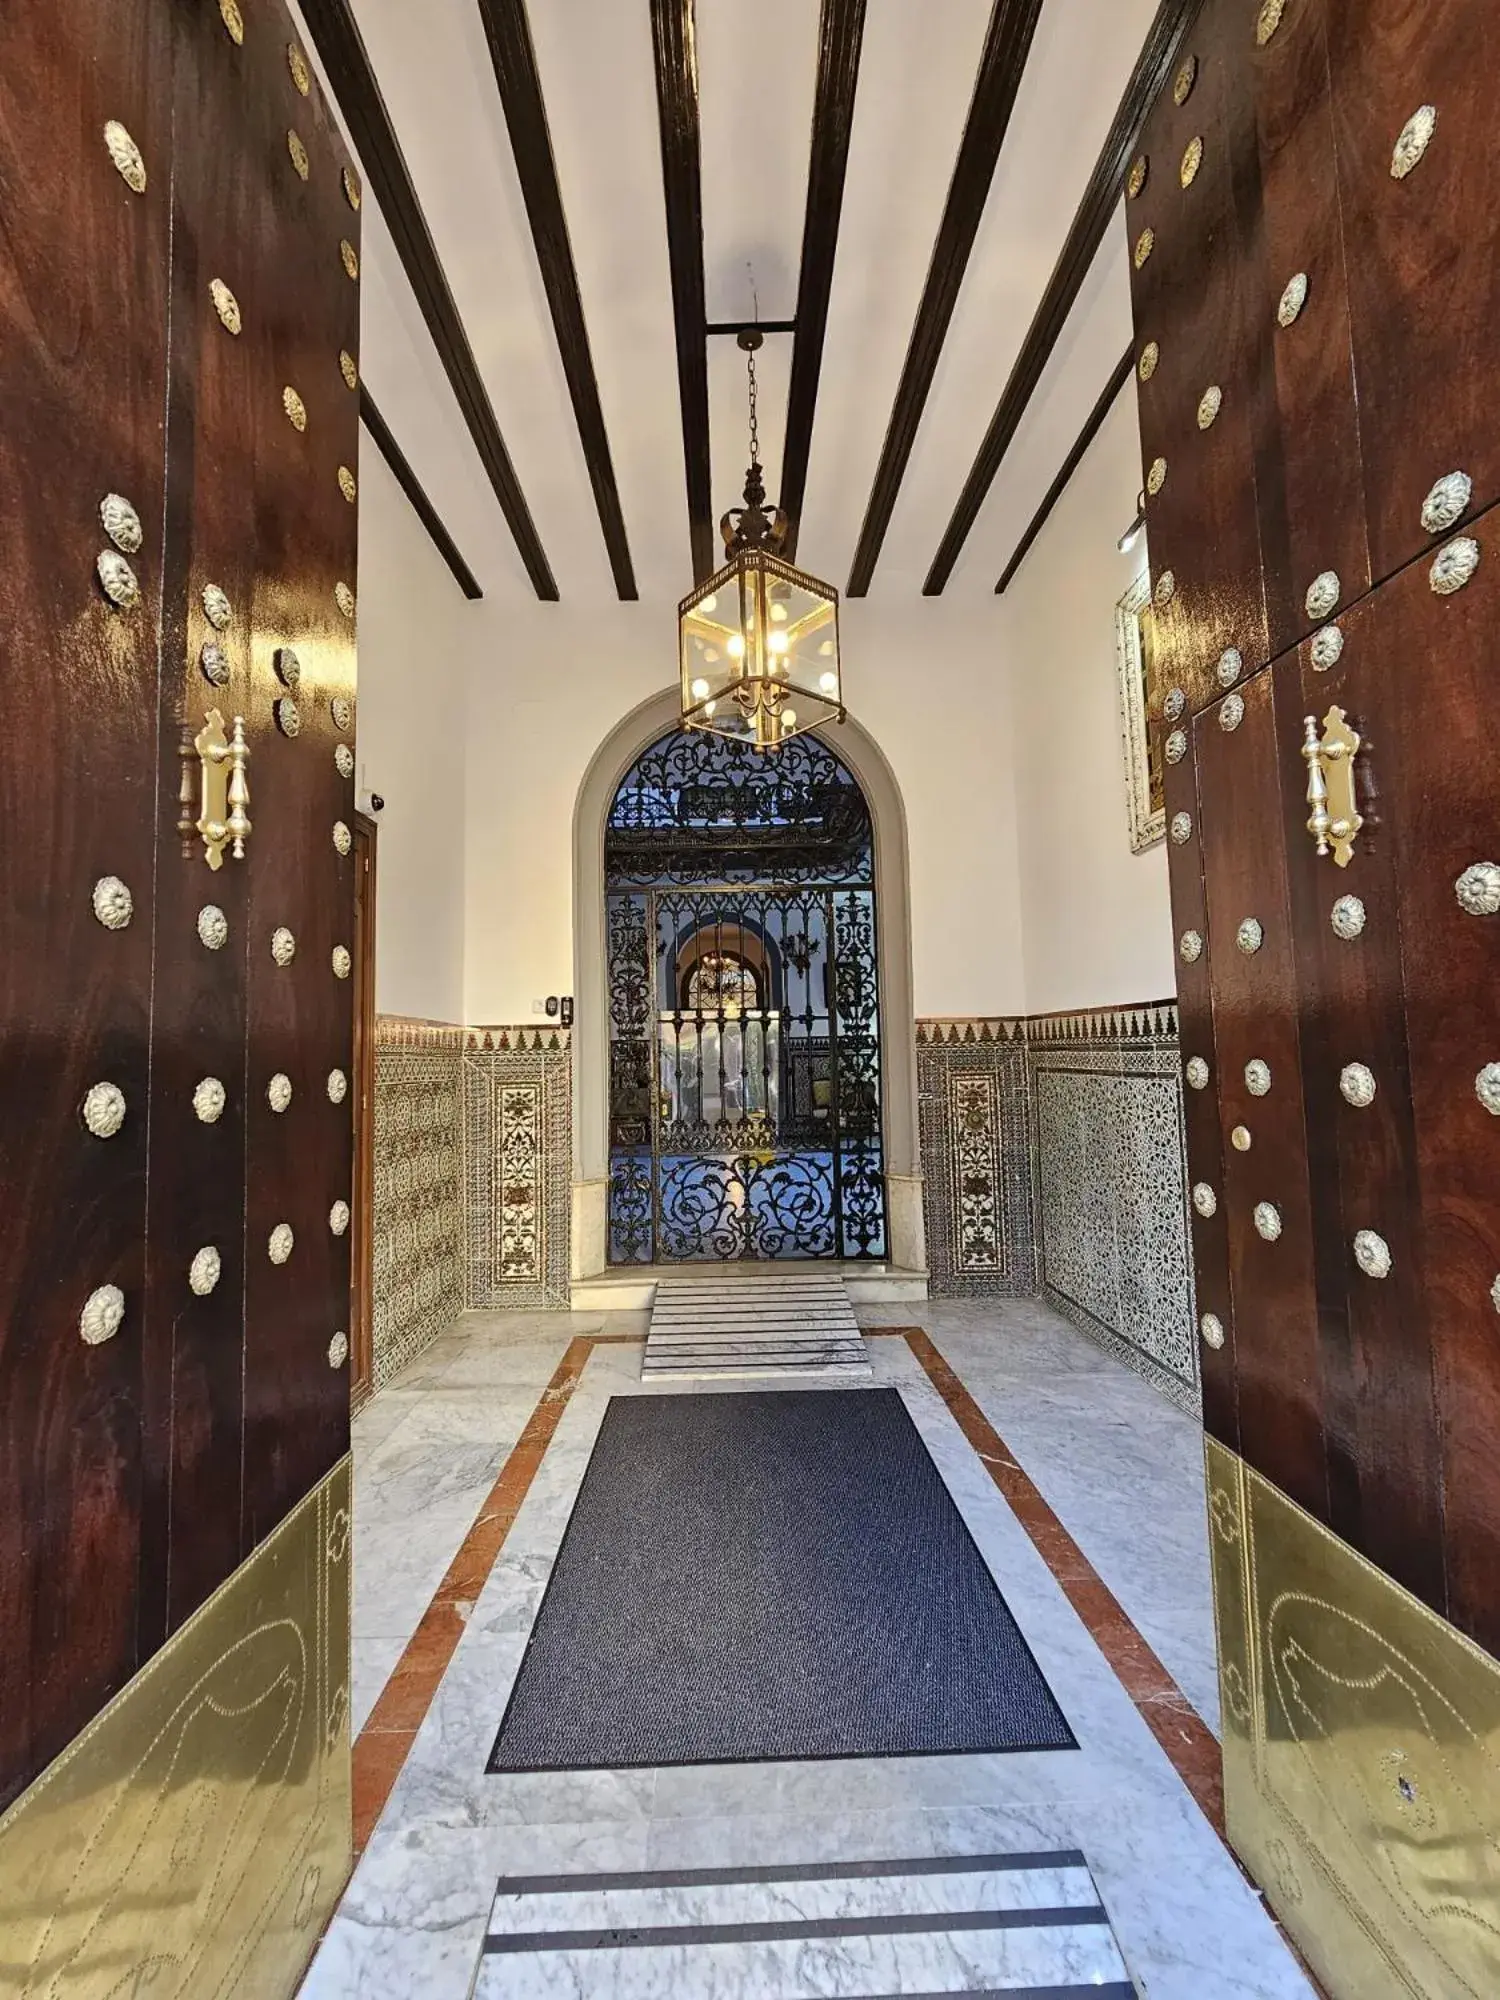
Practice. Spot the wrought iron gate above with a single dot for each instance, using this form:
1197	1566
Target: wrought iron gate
744	1012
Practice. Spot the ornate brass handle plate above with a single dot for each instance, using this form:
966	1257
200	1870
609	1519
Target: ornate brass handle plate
222	791
1334	822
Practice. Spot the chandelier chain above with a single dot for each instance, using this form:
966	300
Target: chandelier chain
754	426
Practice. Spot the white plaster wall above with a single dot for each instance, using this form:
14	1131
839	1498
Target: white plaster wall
415	629
545	687
924	679
1096	918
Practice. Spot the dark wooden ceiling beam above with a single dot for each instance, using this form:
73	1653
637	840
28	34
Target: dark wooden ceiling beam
1007	44
841	30
1163	46
1092	426
384	439
511	50
347	65
676	62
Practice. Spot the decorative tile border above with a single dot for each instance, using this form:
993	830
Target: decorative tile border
516	1041
518	1145
406	1031
965	1031
974	1118
1153	1022
418	1197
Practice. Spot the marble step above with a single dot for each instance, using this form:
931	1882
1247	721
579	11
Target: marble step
755	1323
749	1364
775	1337
788	1326
1019	1924
742	1361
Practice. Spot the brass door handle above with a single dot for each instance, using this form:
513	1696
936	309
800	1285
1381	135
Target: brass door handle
222	791
1334	821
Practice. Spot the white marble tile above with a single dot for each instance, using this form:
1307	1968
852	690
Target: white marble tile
812	1969
748	1839
397	1567
792	1901
373	1660
1168	1882
1108	1454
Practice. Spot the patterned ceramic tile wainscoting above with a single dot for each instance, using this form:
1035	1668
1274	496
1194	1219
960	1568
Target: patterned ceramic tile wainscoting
418	1233
518	1150
1052	1155
1112	1219
974	1112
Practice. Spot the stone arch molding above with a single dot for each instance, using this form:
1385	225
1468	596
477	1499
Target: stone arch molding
610	762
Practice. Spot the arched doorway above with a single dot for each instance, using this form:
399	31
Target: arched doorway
744	1021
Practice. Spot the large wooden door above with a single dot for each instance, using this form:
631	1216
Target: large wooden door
178	327
1282	416
1314	228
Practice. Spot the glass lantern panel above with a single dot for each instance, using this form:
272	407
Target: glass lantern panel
804	639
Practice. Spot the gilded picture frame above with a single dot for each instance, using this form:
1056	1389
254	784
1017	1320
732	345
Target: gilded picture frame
1140	701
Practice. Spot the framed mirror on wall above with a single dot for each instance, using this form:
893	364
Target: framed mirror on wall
1140	701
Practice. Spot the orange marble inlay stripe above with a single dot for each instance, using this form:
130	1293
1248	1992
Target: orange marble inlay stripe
381	1747
1170	1716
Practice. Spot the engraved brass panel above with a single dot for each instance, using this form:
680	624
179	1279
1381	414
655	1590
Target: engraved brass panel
193	1839
1361	1753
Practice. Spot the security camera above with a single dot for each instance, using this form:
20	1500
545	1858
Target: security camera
371	802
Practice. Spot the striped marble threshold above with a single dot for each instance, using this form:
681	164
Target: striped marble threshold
766	1322
1029	1926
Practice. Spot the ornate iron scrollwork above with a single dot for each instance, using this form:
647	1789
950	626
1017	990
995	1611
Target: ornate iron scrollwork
743	1007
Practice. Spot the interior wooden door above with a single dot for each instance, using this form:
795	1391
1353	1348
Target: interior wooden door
179	309
83	383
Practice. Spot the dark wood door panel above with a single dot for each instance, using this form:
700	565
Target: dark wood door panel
82	326
193	1530
1309	486
1203	1135
1189	298
299	1161
1424	254
1265	1191
1379	1409
1426	669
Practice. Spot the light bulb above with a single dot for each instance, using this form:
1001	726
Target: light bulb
700	689
829	683
708	605
826	649
777	642
736	647
788	721
778	614
709	707
710	654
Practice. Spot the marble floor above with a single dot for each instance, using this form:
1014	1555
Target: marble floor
1117	1465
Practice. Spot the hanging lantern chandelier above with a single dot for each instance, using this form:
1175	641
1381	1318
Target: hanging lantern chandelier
759	640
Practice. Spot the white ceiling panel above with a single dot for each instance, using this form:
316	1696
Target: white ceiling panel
916	79
433	65
757	77
599	85
1080	63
